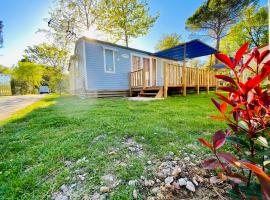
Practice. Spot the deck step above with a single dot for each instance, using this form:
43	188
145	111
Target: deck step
149	94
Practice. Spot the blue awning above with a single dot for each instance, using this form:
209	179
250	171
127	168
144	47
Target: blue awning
194	49
219	66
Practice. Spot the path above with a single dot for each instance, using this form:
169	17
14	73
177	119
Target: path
11	104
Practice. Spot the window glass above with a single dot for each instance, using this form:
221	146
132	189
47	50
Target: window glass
109	62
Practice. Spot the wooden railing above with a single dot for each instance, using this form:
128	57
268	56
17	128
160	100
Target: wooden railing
137	78
177	76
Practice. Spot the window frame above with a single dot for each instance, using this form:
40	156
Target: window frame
104	60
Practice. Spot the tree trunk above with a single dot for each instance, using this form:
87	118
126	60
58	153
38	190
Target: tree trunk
126	39
217	47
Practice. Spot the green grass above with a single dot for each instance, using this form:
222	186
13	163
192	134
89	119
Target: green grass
36	141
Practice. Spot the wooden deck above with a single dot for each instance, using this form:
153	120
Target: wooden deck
175	76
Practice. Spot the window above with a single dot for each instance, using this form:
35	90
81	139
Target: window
136	63
109	64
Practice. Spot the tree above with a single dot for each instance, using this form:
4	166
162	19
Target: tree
28	76
53	59
47	55
168	41
216	16
124	19
69	18
252	27
1	35
4	70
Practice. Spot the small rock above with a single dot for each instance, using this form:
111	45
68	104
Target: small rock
215	180
151	198
190	186
82	177
192	156
182	182
96	196
64	188
135	194
176	185
168	180
166	172
149	162
85	197
155	190
187	158
157	180
176	171
195	181
68	163
132	182
104	189
109	180
59	196
149	183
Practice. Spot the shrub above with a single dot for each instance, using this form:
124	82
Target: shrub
245	109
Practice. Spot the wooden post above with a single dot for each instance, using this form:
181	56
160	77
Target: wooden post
130	84
198	81
216	80
165	80
144	77
184	73
208	81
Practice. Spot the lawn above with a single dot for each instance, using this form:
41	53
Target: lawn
47	144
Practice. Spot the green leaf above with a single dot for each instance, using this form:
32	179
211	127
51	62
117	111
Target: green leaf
262	141
266	162
243	125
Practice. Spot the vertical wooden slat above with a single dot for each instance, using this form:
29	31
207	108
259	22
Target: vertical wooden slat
198	81
165	80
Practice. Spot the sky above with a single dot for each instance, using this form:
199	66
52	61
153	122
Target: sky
23	18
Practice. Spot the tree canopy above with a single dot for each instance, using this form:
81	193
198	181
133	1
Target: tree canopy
252	27
28	75
69	18
168	41
47	55
214	17
124	19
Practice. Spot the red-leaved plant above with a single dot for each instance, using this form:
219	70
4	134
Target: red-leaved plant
245	108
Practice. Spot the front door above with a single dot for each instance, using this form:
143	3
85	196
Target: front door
146	66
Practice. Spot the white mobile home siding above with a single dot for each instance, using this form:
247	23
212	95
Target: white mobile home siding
97	78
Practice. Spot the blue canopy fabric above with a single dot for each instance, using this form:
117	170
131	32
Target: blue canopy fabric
219	66
194	49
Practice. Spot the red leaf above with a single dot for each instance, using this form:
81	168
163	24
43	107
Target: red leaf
229	158
239	54
226	78
225	59
246	65
252	83
217	117
265	70
223	98
215	102
223	107
264	54
263	178
228	89
205	143
210	163
219	139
